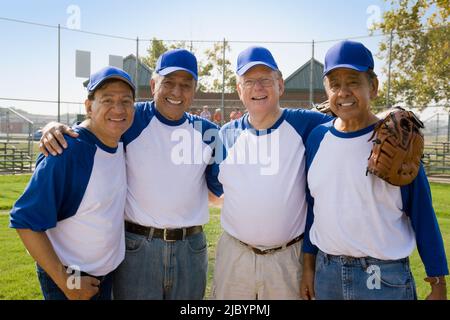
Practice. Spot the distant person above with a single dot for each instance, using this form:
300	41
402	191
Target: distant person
71	215
235	114
205	114
217	117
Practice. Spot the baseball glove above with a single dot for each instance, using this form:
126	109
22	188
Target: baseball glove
397	147
324	107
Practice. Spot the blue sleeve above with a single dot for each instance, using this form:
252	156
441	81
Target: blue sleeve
142	117
54	191
304	121
210	136
308	247
312	146
212	170
212	180
417	204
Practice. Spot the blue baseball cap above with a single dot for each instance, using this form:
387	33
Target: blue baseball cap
254	56
348	54
176	60
96	79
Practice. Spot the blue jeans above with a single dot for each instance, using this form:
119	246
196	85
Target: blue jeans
347	278
162	270
51	291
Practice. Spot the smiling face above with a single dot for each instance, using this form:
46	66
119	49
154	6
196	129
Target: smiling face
260	89
110	112
350	93
173	94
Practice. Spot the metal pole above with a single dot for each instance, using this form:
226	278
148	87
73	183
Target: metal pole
223	83
389	72
59	73
437	128
30	141
136	74
448	126
7	126
311	78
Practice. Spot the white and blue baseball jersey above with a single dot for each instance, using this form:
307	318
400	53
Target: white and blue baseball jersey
78	199
169	169
356	214
263	177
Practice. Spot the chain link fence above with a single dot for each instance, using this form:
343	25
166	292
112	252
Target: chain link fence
47	85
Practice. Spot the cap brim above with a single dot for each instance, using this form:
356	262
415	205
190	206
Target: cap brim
169	70
113	77
347	66
249	65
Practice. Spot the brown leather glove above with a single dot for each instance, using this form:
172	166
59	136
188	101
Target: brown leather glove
324	107
397	147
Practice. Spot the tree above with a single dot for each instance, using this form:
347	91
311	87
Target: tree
420	66
211	72
157	48
154	50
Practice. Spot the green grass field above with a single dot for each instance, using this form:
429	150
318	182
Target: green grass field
17	270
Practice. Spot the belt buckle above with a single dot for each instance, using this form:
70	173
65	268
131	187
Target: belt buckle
165	236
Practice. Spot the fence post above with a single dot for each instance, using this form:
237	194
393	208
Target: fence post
136	73
437	128
448	126
7	125
59	73
30	140
389	73
311	78
223	84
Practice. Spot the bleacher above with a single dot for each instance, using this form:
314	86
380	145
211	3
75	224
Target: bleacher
436	158
16	142
15	158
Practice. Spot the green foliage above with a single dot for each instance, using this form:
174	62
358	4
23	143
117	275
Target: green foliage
212	72
158	47
155	49
420	70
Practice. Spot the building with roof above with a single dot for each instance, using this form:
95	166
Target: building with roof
296	95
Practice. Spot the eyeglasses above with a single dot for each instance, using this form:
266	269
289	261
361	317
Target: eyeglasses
264	82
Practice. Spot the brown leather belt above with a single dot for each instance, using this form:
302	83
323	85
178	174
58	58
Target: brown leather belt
272	250
165	234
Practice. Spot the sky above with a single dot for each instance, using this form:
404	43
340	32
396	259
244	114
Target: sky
29	52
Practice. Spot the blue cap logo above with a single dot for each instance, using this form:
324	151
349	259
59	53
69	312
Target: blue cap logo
254	56
348	54
96	79
176	60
